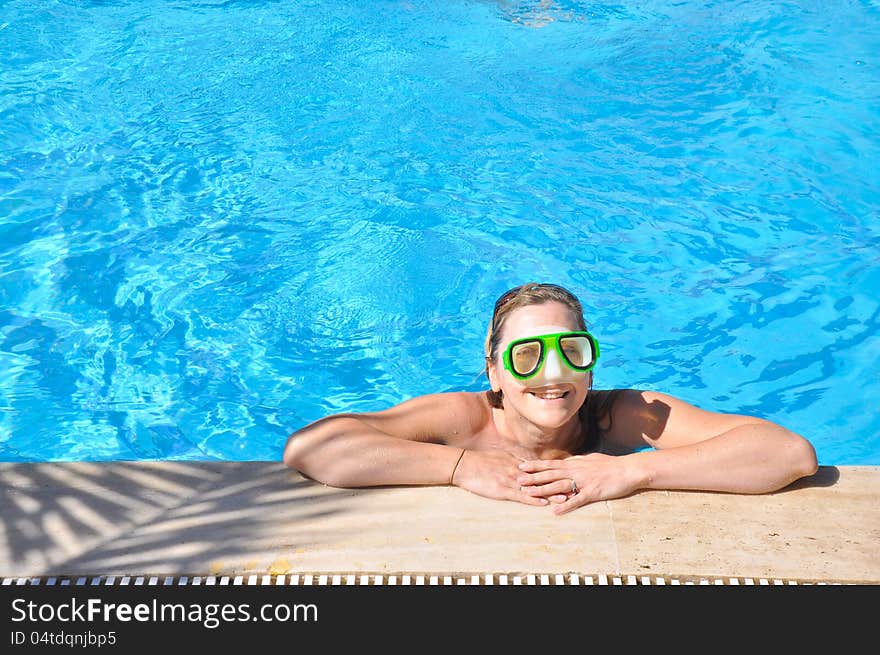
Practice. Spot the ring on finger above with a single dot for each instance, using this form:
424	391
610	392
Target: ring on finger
574	486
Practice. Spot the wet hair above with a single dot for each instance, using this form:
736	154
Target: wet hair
598	404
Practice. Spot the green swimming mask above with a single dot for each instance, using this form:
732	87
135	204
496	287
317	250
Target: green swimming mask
525	357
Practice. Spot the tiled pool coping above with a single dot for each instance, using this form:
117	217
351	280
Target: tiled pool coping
167	522
403	580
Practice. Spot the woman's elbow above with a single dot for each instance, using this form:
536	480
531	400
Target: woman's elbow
802	455
296	457
314	451
809	459
292	456
303	445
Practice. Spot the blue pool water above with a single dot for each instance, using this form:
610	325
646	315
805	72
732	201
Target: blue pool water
220	220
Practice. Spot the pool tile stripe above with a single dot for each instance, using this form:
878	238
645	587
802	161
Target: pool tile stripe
412	579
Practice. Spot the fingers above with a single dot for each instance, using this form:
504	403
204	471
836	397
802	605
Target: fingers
543	477
563	488
531	500
522	497
510	490
561	502
572	502
535	465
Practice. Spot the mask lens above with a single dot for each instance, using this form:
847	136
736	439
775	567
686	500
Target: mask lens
525	357
577	350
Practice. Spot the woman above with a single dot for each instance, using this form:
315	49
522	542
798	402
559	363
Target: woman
542	435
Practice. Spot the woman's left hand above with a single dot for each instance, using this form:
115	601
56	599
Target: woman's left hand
578	480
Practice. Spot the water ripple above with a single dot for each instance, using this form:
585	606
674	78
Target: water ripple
222	219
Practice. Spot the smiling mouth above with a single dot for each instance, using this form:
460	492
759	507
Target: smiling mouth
554	395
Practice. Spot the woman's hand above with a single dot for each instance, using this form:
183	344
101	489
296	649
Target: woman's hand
578	480
493	474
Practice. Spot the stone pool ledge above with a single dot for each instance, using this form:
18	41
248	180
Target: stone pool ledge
167	518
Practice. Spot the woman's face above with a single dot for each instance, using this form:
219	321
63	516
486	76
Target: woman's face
549	399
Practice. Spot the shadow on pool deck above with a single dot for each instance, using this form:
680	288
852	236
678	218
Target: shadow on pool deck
223	518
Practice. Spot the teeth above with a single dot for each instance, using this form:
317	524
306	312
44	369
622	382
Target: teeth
549	396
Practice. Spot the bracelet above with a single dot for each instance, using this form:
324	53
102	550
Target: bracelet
455	468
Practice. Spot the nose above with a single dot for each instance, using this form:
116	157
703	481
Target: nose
553	366
554	371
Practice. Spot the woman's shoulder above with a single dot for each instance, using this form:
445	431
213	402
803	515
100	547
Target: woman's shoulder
616	418
444	417
469	411
636	418
624	400
471	408
466	401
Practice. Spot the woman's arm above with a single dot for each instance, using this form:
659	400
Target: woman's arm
410	443
691	449
422	441
702	450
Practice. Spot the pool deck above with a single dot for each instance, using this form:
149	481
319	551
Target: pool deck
167	518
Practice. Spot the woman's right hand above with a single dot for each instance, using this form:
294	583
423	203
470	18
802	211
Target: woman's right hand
493	474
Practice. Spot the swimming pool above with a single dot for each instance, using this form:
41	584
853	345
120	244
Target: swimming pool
220	220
